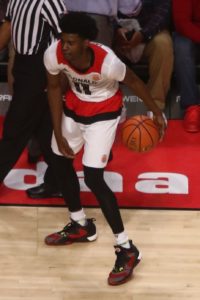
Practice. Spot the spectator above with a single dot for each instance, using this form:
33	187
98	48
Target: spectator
9	53
149	42
28	109
89	119
186	16
103	12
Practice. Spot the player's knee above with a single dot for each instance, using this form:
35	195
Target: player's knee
92	177
89	178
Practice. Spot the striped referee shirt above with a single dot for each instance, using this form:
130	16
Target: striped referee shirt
34	24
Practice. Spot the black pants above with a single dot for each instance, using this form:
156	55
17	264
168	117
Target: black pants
94	179
28	113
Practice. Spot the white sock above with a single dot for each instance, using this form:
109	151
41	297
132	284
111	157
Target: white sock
79	217
122	239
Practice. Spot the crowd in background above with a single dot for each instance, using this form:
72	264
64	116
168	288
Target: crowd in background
166	38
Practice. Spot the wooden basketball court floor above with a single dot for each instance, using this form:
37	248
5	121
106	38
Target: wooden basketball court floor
168	239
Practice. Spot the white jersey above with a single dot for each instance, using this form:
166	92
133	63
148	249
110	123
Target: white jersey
90	90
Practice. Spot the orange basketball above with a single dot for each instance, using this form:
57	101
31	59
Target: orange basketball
140	133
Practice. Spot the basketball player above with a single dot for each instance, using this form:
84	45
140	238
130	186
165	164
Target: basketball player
88	118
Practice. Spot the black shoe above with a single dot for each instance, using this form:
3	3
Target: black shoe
73	232
42	191
127	260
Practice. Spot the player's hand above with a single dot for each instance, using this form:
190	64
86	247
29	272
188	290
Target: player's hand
161	122
64	148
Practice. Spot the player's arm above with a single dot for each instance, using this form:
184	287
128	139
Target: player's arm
54	90
5	34
55	102
132	81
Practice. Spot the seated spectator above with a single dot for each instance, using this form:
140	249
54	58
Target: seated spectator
143	36
186	47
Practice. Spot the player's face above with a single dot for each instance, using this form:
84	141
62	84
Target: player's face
73	46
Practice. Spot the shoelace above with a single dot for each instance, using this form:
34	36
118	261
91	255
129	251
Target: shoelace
67	228
72	225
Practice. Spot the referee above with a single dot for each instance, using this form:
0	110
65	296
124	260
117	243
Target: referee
32	25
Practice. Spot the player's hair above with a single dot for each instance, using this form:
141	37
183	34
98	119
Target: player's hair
79	23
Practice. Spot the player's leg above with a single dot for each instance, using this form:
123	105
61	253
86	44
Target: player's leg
80	228
128	256
97	148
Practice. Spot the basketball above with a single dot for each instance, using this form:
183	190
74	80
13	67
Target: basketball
140	133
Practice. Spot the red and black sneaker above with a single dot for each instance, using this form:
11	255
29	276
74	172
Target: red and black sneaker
127	260
73	232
